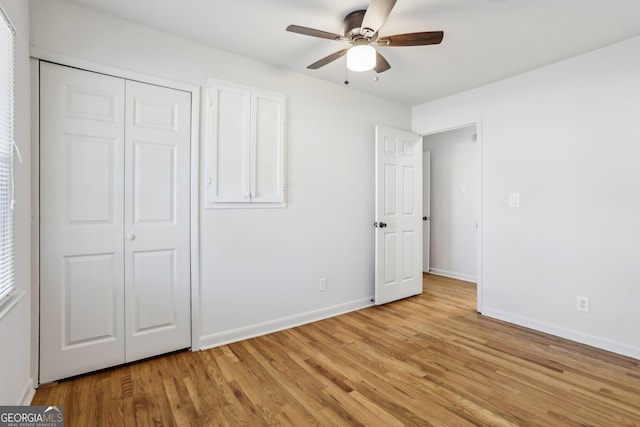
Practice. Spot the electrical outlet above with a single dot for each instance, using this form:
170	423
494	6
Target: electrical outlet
322	284
582	303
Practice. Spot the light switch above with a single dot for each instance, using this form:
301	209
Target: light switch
514	200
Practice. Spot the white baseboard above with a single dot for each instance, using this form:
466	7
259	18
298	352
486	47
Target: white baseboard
453	275
580	337
258	329
28	392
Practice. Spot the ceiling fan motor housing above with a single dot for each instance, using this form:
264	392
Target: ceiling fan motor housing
353	24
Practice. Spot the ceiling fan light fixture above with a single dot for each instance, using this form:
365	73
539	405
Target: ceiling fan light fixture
361	58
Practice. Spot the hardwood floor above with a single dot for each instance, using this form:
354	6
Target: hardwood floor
426	360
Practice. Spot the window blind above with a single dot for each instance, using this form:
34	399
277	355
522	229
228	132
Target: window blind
7	89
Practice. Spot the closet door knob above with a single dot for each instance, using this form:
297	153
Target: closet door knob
131	236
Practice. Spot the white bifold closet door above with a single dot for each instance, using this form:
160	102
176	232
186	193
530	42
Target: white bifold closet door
114	221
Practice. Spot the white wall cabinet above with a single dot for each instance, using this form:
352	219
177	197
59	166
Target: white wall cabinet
245	147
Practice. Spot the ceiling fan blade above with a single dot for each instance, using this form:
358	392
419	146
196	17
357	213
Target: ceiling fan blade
313	32
381	64
412	39
327	59
376	14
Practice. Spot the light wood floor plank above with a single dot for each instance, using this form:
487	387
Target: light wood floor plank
429	360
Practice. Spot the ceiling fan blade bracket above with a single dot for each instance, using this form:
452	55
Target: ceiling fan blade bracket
383	42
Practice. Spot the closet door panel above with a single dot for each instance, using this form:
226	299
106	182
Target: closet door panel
154	183
157	215
81	221
154	281
89	282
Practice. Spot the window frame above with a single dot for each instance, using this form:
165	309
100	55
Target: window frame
7	143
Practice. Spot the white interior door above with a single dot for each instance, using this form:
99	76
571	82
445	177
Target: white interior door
157	210
114	221
398	237
81	221
426	209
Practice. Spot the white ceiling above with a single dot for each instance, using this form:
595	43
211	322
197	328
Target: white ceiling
484	41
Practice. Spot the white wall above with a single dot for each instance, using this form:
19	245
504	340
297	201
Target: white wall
455	187
566	137
16	385
259	268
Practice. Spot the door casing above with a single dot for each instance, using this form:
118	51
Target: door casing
426	210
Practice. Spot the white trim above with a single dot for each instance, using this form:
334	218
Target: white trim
8	285
35	218
258	329
8	21
479	223
570	334
245	205
477	122
453	275
195	219
194	90
28	392
449	128
70	61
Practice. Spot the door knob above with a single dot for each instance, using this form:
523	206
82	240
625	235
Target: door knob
131	236
383	225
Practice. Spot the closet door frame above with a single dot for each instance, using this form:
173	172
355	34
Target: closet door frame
38	55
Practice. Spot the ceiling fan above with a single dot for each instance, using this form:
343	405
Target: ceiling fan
361	30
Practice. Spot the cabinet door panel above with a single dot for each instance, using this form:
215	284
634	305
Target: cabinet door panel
267	154
229	119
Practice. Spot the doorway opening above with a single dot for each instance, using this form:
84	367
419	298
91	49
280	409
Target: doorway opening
452	200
